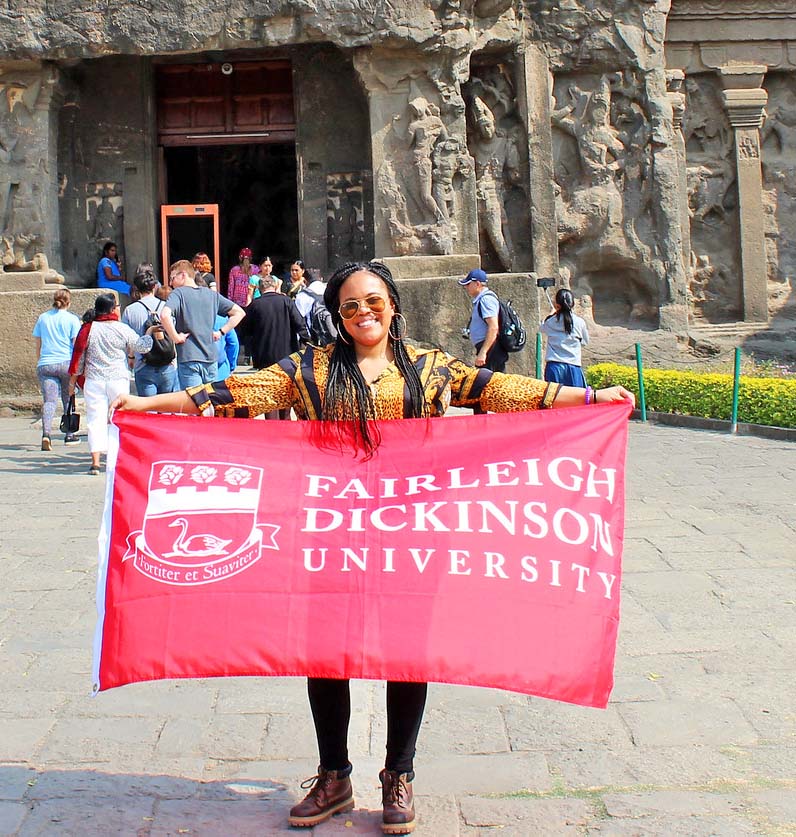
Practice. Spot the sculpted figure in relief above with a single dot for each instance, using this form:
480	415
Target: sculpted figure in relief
586	117
450	158
425	130
496	159
780	123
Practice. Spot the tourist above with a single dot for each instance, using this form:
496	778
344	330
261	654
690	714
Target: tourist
189	318
203	267
298	278
110	275
228	348
266	270
566	332
274	329
484	322
239	277
370	372
100	363
149	379
54	333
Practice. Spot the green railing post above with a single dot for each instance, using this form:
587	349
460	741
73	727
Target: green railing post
736	387
539	355
642	401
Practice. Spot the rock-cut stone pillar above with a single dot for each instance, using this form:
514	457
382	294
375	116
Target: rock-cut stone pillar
745	101
674	89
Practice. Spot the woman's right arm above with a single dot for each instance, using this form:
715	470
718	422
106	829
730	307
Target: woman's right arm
168	402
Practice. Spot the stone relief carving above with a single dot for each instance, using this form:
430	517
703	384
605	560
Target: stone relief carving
497	143
420	180
602	135
345	218
714	285
105	214
778	145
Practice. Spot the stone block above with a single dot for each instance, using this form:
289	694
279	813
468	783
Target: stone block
426	267
528	816
681	723
547	725
12	815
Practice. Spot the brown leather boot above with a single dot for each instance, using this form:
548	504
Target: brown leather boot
397	799
328	795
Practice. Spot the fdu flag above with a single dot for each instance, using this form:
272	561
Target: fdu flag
481	550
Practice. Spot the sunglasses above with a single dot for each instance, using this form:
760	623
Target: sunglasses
350	308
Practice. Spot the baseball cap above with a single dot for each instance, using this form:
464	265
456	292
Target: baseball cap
476	275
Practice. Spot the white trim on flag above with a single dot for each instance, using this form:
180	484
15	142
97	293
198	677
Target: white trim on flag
103	552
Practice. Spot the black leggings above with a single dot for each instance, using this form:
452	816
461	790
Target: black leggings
330	701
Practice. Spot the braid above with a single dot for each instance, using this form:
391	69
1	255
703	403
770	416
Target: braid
347	397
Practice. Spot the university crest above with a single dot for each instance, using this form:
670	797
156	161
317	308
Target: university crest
200	524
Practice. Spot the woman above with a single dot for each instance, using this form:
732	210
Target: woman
566	332
203	267
100	364
149	380
239	277
362	376
266	269
109	273
298	278
55	332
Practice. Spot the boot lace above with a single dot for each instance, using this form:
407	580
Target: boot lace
395	789
317	783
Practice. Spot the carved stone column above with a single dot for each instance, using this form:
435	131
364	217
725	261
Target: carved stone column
533	99
674	88
745	100
412	113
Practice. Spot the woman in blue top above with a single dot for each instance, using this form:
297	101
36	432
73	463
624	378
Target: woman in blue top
55	333
566	332
109	274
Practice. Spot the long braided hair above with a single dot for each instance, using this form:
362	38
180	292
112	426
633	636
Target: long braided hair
347	397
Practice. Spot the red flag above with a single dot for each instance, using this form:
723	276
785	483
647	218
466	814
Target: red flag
481	550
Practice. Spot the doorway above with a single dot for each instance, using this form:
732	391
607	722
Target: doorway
255	188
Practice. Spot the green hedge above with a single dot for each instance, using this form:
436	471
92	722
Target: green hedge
770	401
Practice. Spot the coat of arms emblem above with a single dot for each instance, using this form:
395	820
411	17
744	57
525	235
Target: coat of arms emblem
200	524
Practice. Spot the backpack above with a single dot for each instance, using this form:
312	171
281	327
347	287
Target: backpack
511	331
319	322
163	350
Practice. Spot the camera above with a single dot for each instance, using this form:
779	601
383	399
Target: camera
465	333
545	283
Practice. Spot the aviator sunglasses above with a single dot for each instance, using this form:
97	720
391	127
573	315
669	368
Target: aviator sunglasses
350	308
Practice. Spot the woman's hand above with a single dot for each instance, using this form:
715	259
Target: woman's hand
614	394
132	403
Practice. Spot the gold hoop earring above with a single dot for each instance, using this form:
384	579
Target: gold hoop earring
340	337
401	328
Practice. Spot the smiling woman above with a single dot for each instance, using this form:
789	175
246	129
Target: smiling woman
371	373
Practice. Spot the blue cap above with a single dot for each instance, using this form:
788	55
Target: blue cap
476	275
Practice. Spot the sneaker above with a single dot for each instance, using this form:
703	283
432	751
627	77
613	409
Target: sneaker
46	444
398	816
71	439
329	794
93	471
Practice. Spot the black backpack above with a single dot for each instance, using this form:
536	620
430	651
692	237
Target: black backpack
511	331
163	350
319	322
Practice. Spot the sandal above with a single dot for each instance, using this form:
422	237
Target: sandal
93	471
46	444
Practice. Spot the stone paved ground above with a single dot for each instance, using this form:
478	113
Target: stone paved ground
699	739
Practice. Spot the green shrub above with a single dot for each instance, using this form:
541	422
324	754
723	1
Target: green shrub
770	401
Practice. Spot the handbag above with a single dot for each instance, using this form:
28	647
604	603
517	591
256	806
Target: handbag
70	420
